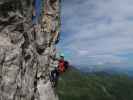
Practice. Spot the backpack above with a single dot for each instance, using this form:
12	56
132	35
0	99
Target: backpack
66	64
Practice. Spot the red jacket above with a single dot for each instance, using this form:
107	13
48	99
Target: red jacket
61	66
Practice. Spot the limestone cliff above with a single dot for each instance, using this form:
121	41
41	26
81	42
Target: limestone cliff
26	50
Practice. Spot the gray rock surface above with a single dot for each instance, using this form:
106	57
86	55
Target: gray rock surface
26	51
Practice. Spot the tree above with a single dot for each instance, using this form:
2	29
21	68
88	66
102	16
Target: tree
26	49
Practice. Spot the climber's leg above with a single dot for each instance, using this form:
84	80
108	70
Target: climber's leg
54	77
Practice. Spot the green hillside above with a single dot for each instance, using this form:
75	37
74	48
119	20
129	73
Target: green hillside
75	86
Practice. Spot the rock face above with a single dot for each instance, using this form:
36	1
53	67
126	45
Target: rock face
26	50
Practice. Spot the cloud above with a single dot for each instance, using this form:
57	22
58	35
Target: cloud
97	30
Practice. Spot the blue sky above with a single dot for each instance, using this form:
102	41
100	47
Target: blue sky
97	31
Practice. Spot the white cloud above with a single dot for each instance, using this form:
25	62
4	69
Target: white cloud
97	29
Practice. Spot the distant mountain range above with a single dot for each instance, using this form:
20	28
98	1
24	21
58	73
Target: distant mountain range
108	69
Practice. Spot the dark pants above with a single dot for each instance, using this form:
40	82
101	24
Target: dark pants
54	77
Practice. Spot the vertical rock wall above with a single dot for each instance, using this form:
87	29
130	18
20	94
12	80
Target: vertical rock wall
26	51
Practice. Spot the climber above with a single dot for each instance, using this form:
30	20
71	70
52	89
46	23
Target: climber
61	65
33	16
36	13
58	66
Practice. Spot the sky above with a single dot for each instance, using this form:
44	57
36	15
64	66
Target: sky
96	32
